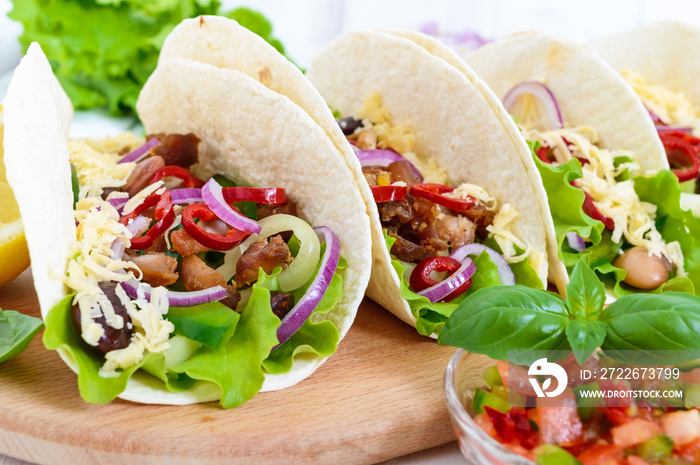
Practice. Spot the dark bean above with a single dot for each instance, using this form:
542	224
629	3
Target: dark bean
281	303
142	174
112	339
349	125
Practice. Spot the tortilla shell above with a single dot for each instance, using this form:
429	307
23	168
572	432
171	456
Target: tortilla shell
663	53
588	90
297	156
452	121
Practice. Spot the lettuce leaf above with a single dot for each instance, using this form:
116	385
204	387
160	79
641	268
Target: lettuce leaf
102	51
431	317
211	324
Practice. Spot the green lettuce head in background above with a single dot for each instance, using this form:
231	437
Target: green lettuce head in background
102	51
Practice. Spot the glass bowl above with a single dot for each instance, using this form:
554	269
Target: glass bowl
462	377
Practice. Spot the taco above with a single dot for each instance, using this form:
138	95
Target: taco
654	61
224	254
441	203
613	200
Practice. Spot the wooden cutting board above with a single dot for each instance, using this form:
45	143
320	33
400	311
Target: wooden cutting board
380	396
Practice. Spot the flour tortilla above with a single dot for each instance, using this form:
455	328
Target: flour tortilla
453	121
248	133
663	53
588	90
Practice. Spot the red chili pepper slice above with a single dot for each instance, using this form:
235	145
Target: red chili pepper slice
591	210
201	211
542	154
434	193
164	212
189	179
420	276
267	196
676	143
388	193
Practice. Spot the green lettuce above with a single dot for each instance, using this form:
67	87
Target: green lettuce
431	317
674	224
102	51
235	352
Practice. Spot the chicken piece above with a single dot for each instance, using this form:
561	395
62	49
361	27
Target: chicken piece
157	269
456	231
184	244
262	254
196	276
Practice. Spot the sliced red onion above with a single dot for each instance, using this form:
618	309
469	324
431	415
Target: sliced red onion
118	204
655	118
575	241
307	304
381	157
542	93
449	285
213	196
140	152
187	195
685	129
505	274
175	298
135	227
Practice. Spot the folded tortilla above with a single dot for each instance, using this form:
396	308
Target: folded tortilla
248	133
456	121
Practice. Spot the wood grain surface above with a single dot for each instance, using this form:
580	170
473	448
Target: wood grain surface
380	396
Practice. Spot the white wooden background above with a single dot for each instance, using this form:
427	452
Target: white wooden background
305	26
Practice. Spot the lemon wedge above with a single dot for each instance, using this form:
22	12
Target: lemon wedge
14	254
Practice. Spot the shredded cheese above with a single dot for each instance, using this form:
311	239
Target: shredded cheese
96	163
634	220
472	190
91	262
504	237
674	108
141	197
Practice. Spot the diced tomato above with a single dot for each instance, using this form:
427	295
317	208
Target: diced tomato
485	424
634	432
559	422
634	460
682	426
690	451
602	454
515	378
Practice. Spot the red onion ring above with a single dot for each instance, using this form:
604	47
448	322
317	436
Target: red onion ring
213	196
449	285
176	298
307	304
140	152
186	195
575	241
135	227
542	93
505	274
118	204
685	129
381	157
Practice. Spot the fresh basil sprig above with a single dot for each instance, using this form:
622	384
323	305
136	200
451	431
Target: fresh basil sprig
16	332
660	328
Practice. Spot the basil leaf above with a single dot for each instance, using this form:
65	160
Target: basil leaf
498	319
16	332
585	293
653	329
584	336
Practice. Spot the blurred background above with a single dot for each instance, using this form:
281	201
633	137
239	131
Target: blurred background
304	26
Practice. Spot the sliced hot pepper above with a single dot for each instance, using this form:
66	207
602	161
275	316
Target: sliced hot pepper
267	196
678	143
420	276
189	179
542	154
202	212
388	193
435	193
164	212
591	210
